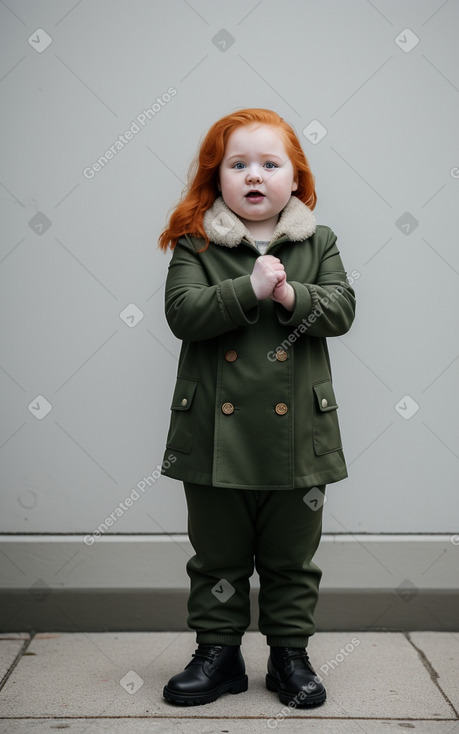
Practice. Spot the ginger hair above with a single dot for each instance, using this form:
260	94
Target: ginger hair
202	189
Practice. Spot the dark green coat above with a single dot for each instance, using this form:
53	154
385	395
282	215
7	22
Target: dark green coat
253	405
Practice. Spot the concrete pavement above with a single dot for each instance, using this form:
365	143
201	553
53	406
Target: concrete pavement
95	682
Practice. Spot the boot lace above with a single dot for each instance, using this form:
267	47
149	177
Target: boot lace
209	652
296	653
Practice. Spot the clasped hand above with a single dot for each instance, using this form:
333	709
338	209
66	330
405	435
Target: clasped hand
269	280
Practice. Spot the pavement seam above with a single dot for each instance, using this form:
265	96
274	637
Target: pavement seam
16	660
434	676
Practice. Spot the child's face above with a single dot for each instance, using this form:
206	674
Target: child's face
255	159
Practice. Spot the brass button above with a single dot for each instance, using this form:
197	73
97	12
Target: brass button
281	409
184	402
324	402
281	355
228	408
231	355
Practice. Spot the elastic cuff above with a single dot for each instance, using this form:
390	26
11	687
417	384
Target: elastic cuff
216	639
287	641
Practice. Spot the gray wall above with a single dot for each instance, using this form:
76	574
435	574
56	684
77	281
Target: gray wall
82	281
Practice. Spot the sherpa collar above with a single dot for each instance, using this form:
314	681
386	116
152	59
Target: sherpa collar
223	227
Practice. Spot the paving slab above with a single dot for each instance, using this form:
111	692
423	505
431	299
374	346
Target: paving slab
368	675
229	726
14	636
10	646
442	651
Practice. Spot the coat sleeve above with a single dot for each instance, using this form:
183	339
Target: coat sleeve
196	309
327	306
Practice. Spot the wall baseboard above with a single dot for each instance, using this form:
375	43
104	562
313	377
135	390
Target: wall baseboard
139	583
165	610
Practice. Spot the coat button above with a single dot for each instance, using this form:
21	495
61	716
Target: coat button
184	402
324	402
231	355
281	409
228	408
281	355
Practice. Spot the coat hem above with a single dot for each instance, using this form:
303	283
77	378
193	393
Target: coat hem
312	480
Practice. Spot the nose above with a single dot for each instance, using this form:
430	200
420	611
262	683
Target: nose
254	173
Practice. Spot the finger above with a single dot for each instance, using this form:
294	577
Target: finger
274	265
278	274
269	258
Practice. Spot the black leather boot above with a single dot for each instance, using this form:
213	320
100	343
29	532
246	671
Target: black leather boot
291	674
213	670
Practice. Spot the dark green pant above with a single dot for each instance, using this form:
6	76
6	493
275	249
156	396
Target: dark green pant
233	529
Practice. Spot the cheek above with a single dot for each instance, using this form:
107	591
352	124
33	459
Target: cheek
220	180
283	183
229	183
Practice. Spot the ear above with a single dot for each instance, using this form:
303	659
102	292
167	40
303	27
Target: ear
294	185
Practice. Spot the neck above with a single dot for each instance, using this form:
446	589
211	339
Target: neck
261	230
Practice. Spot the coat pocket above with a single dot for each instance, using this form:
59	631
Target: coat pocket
325	427
180	436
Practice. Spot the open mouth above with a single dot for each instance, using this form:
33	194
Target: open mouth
254	194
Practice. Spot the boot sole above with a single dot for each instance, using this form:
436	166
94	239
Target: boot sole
286	697
239	685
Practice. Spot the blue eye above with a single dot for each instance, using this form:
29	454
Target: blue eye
240	165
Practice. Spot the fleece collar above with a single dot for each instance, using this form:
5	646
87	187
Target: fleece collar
223	227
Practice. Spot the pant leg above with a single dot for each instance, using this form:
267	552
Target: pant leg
221	526
287	532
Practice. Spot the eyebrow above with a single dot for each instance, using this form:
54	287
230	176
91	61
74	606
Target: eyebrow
263	155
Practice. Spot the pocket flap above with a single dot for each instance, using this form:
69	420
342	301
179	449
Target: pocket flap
185	388
325	396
